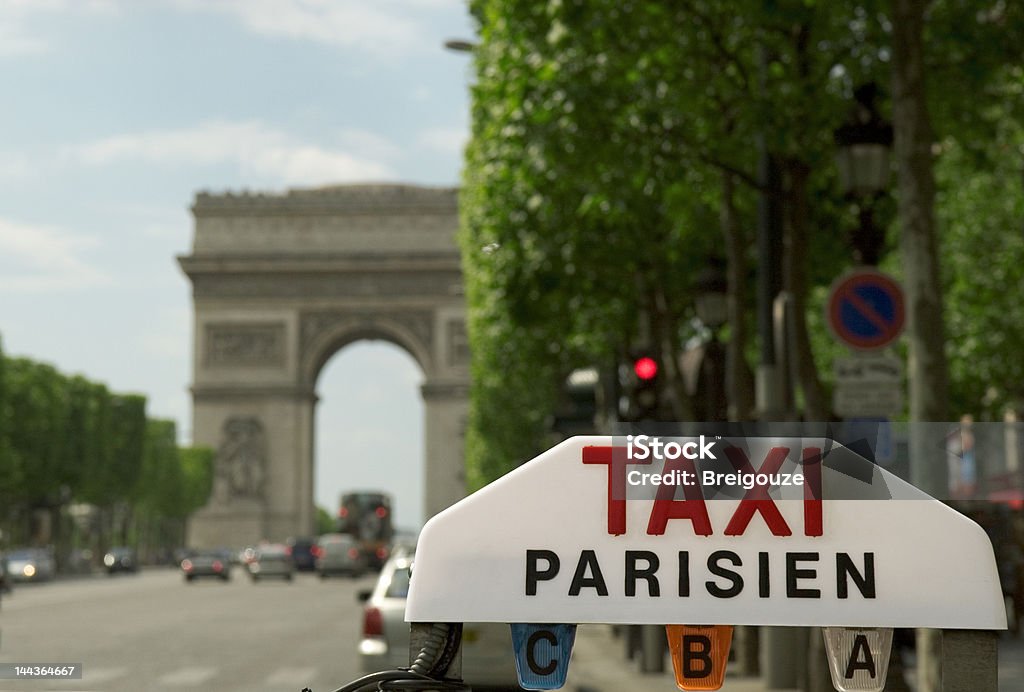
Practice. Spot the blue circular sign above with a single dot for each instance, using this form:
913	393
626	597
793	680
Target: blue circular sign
866	310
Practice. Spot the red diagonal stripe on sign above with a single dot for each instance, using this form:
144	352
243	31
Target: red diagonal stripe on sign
866	309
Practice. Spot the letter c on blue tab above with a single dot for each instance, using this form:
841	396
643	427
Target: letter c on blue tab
542	654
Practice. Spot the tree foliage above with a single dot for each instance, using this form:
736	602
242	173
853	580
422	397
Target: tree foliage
67	439
614	146
197	471
982	210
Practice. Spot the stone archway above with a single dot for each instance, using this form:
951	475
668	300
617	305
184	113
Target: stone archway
281	283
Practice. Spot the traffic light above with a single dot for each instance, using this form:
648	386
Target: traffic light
640	387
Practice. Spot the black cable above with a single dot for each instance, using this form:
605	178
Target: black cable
375	678
402	679
429	684
434	657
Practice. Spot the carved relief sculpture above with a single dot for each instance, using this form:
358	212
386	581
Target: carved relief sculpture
241	460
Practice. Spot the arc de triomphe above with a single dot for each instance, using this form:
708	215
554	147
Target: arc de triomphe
282	282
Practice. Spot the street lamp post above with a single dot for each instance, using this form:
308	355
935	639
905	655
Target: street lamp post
712	304
863	144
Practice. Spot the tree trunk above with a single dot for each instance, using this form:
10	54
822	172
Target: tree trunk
926	372
794	276
913	148
666	341
739	379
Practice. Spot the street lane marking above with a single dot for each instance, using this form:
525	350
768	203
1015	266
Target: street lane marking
296	677
188	676
94	675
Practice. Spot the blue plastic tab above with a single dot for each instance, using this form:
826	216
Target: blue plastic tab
542	654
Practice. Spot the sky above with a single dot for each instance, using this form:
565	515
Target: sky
116	112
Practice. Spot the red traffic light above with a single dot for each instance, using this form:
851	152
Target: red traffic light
646	368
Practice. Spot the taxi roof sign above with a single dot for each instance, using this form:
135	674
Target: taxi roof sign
546	544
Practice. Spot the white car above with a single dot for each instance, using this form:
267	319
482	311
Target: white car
487	658
338	553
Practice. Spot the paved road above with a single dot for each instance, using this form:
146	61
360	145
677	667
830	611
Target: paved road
154	632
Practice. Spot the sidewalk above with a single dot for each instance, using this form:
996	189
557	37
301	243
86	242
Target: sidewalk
599	665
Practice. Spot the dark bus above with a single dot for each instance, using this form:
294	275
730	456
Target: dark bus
367	517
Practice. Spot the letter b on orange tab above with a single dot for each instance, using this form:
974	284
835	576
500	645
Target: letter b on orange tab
699	654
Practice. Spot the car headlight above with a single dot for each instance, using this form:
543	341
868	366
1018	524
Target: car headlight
108	560
29	570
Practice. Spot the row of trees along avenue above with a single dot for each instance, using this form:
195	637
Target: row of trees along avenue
83	467
615	152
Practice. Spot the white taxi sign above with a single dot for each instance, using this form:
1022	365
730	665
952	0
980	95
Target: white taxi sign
768	531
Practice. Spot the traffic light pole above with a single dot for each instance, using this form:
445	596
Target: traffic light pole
778	644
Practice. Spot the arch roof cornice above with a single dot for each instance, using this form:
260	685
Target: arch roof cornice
340	199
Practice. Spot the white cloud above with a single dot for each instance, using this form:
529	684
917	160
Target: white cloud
18	37
369	144
447	140
15	40
38	259
15	166
258	150
381	27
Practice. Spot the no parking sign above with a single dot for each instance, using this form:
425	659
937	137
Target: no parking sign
865	309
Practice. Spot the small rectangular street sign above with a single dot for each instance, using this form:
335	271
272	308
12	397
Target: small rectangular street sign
864	398
868	368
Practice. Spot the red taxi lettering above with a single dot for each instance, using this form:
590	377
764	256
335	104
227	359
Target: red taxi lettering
616	459
756	500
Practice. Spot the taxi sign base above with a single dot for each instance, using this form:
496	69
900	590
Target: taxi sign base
700	654
542	654
858	658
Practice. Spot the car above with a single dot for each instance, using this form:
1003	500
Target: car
121	559
206	563
272	560
303	552
245	556
487	658
338	553
31	564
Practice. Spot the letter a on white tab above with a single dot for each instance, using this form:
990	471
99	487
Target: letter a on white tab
699	654
542	654
858	658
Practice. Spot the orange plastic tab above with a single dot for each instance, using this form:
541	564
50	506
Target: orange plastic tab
700	654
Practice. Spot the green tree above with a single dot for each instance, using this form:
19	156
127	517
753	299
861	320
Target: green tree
8	471
325	522
86	441
128	443
160	492
981	212
608	141
197	468
37	423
